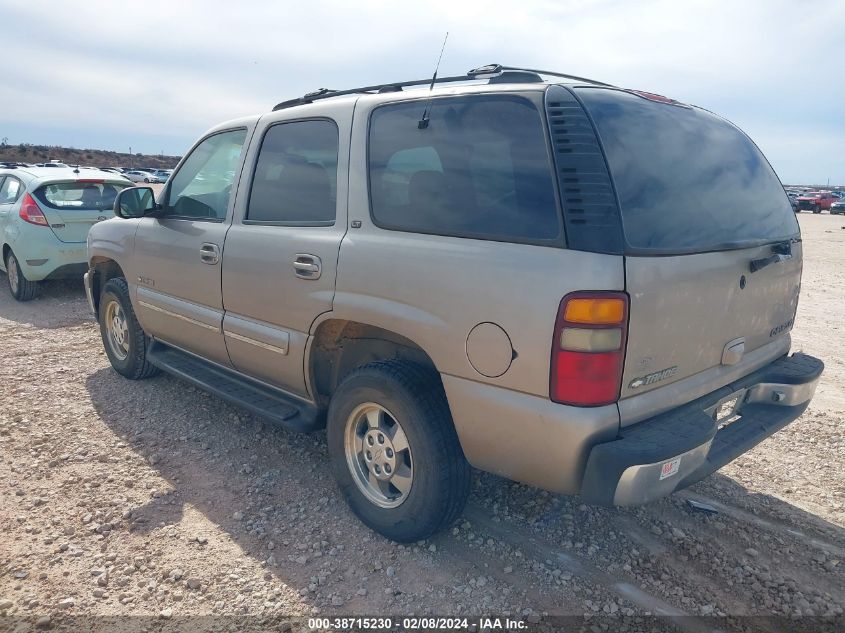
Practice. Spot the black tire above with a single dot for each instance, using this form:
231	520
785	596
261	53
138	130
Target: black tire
147	180
21	288
134	365
817	209
441	474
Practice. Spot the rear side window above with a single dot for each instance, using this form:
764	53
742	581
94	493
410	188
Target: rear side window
82	196
687	180
10	190
295	179
479	169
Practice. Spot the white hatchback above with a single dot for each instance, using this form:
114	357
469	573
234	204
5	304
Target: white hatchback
45	215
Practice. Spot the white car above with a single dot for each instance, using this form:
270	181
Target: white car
45	215
142	176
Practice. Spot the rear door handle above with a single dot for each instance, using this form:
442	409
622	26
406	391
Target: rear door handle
209	253
307	266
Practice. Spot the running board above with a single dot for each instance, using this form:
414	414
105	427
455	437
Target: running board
271	404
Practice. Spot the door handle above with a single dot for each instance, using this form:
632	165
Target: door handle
307	266
209	253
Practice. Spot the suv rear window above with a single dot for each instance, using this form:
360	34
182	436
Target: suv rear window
82	196
481	168
687	180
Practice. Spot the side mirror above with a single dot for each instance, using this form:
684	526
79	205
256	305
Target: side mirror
135	202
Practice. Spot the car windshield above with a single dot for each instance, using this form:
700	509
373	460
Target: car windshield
73	196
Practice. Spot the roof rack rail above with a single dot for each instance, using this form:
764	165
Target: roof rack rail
490	71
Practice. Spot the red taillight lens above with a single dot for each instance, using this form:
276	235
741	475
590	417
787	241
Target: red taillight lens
30	211
588	348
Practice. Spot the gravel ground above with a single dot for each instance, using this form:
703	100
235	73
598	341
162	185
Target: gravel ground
154	498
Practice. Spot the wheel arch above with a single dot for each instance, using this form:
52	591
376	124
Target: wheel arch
104	268
338	346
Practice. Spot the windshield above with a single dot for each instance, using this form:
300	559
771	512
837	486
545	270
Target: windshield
687	180
73	196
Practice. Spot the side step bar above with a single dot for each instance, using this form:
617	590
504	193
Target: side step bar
272	404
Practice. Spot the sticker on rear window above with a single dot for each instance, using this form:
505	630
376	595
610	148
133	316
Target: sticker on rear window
670	468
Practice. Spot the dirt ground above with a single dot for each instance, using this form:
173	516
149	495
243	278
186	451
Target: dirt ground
154	498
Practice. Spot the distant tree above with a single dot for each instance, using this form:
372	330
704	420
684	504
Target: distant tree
5	141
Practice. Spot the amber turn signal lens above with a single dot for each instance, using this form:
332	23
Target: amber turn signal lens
596	311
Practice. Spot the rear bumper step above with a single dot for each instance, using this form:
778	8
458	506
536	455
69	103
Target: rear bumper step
269	403
675	449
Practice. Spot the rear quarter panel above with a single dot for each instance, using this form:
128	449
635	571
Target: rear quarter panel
433	290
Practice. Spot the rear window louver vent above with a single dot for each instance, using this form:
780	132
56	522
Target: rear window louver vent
590	208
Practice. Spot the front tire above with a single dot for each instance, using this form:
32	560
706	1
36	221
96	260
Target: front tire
124	340
21	288
394	450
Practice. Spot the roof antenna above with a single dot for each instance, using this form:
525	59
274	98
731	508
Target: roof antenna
423	122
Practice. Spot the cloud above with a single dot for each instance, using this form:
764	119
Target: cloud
158	73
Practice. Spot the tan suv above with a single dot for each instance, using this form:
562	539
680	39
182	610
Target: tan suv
568	284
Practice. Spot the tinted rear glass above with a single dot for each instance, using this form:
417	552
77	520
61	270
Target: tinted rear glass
70	196
687	180
480	169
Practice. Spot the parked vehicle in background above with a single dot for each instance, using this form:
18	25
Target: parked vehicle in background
142	176
816	201
443	278
163	174
45	215
838	207
793	199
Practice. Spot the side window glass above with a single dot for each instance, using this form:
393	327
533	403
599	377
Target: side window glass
203	185
480	169
10	190
295	180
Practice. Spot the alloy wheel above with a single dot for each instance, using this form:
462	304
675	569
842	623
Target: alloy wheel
378	455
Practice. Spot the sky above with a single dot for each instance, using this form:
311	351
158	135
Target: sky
154	75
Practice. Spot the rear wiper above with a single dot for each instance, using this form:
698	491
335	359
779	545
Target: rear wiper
781	252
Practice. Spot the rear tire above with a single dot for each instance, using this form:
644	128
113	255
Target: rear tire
817	209
124	340
21	288
389	423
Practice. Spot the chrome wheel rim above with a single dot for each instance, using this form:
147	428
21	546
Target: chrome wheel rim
12	272
378	455
117	330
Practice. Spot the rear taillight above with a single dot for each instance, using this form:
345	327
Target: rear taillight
30	211
588	350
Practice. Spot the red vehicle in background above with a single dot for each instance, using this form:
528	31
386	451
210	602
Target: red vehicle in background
815	201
